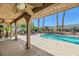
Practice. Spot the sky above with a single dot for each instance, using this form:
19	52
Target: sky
71	17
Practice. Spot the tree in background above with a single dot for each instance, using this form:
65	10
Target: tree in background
63	18
57	22
60	28
74	29
7	29
32	27
22	27
1	28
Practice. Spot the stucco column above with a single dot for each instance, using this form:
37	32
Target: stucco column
28	36
0	33
10	30
15	30
27	18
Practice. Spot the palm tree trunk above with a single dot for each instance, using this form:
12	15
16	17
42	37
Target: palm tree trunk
57	22
63	21
43	24
38	24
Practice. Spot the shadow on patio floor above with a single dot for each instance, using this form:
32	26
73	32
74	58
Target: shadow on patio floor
16	48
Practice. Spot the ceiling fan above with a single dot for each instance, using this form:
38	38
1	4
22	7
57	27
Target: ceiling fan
27	7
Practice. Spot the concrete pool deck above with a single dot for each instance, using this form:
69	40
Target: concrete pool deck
57	48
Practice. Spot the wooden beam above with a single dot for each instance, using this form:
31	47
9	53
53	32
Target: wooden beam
2	20
18	18
55	8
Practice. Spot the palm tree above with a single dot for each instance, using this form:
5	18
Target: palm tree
60	28
63	21
43	24
57	22
32	27
38	24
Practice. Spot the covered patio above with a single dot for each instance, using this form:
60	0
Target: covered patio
11	13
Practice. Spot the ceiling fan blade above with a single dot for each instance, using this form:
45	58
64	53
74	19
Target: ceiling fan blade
20	5
25	8
29	10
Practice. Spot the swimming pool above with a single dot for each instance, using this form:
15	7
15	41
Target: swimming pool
70	39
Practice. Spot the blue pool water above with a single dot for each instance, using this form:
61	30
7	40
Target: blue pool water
74	40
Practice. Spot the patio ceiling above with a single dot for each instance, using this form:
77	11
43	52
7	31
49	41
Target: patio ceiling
55	8
10	12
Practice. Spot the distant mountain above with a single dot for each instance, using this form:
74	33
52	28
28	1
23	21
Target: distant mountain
66	26
71	26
